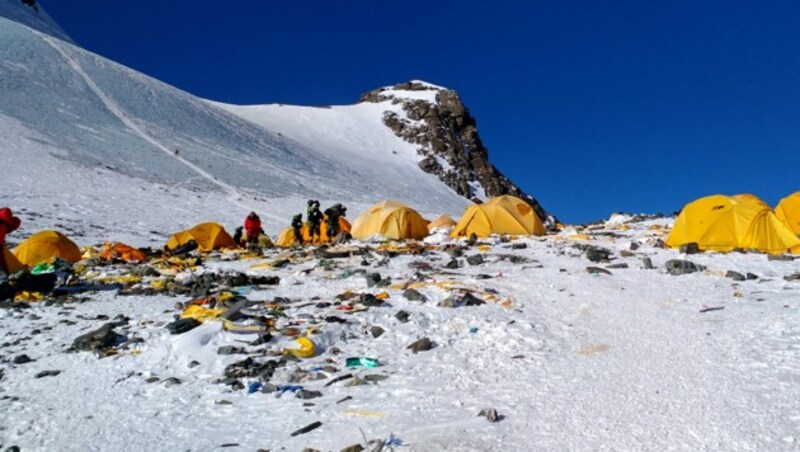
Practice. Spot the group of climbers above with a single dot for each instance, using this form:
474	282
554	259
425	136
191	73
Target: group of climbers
314	220
251	234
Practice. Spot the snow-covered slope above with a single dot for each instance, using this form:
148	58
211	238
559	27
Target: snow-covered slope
353	135
74	115
32	15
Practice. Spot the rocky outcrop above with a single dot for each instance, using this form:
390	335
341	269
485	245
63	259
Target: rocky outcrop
447	140
32	4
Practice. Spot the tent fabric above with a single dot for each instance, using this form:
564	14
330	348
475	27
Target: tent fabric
45	245
724	223
744	197
13	264
391	220
286	237
209	236
122	251
788	211
440	222
501	215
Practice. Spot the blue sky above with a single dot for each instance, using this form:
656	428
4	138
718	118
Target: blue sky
592	107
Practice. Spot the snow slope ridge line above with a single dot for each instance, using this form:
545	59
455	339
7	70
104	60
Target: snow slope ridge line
117	111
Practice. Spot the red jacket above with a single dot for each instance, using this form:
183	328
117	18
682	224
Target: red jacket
252	225
8	223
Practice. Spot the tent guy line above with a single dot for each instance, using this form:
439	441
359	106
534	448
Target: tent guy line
117	111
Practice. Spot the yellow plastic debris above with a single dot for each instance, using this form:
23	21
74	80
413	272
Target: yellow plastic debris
202	314
122	279
382	295
29	296
89	252
225	296
158	284
578	237
306	348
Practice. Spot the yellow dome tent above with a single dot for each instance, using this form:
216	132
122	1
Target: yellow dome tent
286	237
392	220
442	221
788	211
12	263
45	245
209	236
501	215
724	223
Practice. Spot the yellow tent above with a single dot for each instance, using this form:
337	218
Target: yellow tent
45	245
392	220
286	237
442	221
502	215
788	210
723	223
209	236
13	264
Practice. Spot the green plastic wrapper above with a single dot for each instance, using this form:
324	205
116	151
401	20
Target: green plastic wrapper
361	361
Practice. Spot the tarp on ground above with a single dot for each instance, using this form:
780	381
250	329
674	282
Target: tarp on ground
122	251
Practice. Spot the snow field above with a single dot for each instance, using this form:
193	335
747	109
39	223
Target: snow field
578	362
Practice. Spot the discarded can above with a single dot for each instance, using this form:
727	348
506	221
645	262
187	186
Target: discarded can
361	361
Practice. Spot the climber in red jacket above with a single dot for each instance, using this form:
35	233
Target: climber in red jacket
8	223
252	227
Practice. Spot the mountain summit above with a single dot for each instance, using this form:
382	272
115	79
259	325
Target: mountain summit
447	139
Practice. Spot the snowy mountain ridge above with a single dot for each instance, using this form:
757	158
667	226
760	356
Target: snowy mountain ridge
31	14
85	120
